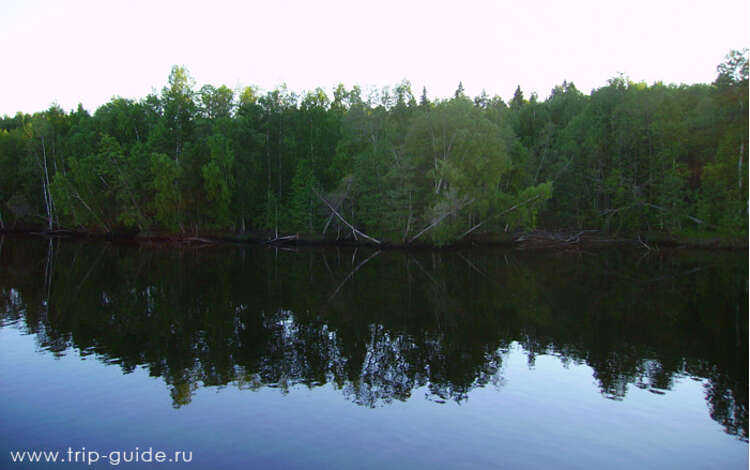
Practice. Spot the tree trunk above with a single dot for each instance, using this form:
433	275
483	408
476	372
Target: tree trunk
45	187
408	220
742	152
44	194
278	159
654	206
78	196
498	215
353	228
440	219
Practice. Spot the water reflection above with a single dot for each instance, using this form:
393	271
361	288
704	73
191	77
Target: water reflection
379	325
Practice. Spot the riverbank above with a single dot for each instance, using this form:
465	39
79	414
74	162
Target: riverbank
563	239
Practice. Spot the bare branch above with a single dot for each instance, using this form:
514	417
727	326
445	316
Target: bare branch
440	219
356	268
352	227
498	215
664	209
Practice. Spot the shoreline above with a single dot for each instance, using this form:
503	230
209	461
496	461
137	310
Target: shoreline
536	240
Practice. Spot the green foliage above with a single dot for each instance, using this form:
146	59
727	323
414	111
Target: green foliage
78	193
629	157
529	201
167	198
464	157
303	216
217	179
368	175
271	212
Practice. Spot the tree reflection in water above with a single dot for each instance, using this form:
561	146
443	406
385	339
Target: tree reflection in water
378	326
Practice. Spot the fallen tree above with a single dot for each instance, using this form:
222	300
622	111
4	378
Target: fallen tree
354	229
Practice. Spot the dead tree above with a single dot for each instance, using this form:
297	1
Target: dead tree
354	230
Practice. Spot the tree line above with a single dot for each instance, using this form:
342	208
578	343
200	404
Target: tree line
627	157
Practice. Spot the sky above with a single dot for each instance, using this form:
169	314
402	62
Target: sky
88	51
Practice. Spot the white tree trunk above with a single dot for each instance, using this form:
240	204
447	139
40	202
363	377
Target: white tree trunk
45	186
742	153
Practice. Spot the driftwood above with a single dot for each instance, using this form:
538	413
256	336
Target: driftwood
205	241
280	240
354	229
551	239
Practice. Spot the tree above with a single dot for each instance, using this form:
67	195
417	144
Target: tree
216	103
179	108
483	100
423	100
303	211
628	157
464	157
167	198
460	91
41	145
218	180
517	101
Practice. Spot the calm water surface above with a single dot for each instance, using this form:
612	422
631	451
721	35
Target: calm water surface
486	358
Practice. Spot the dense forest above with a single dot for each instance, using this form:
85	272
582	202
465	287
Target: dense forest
626	158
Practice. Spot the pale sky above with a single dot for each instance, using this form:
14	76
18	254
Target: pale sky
89	51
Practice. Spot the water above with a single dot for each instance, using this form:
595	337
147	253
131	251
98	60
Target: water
484	358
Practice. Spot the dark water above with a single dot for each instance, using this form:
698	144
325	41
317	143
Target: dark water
258	358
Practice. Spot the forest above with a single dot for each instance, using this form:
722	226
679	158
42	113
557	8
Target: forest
384	164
